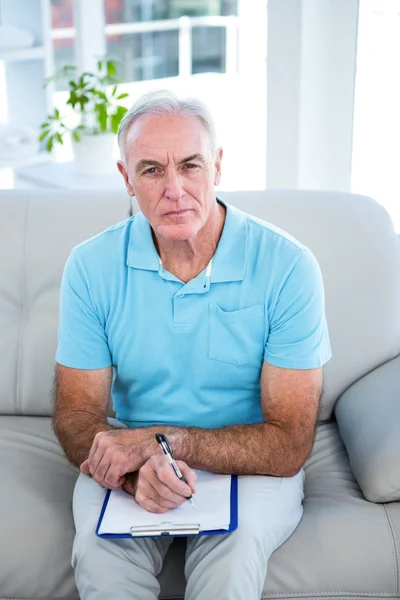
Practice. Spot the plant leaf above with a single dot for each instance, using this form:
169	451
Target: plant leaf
124	95
49	145
101	111
57	113
73	99
82	101
76	136
116	118
121	110
100	94
43	135
114	123
45	126
59	138
111	66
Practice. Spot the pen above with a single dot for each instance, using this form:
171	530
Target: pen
167	450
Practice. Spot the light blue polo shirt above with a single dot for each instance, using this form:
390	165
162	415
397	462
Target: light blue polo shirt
191	354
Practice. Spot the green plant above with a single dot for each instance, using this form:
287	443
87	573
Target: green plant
94	99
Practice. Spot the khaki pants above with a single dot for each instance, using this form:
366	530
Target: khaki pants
223	567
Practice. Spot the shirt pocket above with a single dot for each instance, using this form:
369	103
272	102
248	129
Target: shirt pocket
237	336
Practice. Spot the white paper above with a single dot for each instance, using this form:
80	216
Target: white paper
212	501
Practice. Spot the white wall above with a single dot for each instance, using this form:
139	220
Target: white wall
312	47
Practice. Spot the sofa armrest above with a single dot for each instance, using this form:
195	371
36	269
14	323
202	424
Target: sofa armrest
368	418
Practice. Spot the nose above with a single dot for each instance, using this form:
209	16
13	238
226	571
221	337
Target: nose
173	185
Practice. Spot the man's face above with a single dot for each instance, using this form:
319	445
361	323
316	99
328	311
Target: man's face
171	170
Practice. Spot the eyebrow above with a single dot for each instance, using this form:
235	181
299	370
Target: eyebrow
146	162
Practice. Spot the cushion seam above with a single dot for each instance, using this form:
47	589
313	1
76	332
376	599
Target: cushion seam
331	593
18	399
395	549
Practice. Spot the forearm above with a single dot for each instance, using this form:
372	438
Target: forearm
76	432
259	449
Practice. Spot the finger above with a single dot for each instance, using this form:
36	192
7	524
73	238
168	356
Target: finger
168	477
93	448
148	474
149	504
160	493
99	465
84	468
113	478
102	468
150	492
150	484
107	474
94	461
189	475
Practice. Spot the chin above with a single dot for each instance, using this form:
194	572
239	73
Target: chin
179	232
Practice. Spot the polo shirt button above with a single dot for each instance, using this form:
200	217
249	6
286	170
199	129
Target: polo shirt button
180	295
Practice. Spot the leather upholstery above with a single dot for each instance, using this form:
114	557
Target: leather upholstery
368	416
344	546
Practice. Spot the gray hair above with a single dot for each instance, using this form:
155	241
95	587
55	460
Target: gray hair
164	102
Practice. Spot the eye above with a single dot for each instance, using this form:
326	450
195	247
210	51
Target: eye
150	171
190	166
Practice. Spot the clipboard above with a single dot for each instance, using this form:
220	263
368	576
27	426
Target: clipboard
174	529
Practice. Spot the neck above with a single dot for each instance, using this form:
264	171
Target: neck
187	258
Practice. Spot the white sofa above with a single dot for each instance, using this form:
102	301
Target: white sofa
348	542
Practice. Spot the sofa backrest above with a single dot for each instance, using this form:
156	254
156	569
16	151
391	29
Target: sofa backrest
37	231
358	250
352	237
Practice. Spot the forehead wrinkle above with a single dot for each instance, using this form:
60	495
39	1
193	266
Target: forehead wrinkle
144	162
152	134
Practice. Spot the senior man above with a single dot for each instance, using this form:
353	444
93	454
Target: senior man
205	324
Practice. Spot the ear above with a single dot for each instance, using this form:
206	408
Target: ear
218	160
124	173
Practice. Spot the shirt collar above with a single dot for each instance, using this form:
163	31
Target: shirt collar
142	253
229	262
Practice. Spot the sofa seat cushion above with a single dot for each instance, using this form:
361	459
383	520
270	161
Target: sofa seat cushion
36	526
344	546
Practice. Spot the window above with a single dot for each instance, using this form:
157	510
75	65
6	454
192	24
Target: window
144	56
63	37
194	48
63	34
211	49
153	52
376	139
3	95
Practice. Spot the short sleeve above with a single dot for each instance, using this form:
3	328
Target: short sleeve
82	341
298	334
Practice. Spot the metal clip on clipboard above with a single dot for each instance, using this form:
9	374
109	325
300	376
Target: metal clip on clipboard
166	528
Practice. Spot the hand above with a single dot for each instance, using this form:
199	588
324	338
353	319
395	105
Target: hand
117	452
156	487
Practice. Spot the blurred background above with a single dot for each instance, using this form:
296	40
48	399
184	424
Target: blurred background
305	93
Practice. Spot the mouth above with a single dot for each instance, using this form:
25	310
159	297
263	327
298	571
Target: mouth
177	213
